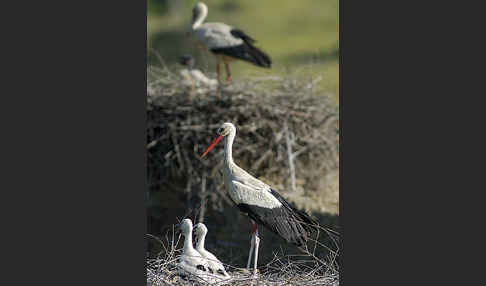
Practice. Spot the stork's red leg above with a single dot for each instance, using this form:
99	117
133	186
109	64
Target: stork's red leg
255	242
254	227
252	243
217	68
252	246
228	73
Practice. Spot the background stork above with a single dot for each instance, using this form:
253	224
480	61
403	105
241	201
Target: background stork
259	201
200	231
225	42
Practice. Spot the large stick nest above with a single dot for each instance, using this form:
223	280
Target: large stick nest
270	114
280	270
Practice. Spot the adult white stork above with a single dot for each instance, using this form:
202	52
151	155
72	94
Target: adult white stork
191	261
263	204
225	42
200	231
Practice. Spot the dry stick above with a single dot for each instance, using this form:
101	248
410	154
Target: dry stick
158	240
290	157
187	161
257	163
178	152
159	58
202	210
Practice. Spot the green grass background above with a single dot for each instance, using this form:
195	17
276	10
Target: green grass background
301	37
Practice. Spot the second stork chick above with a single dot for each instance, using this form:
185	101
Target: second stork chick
200	231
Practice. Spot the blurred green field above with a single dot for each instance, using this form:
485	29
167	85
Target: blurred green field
301	36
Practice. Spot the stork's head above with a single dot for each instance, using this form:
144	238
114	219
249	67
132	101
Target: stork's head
200	229
187	60
225	130
185	226
199	11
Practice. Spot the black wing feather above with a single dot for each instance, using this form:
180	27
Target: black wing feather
286	221
237	33
245	51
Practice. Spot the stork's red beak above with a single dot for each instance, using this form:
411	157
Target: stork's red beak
212	145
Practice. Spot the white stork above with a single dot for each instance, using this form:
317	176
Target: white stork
225	42
191	262
259	201
200	231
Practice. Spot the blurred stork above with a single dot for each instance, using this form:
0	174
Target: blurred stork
194	76
225	42
200	231
263	204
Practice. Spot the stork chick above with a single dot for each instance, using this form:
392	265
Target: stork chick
200	231
193	76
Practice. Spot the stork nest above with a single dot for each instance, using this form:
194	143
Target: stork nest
287	133
280	270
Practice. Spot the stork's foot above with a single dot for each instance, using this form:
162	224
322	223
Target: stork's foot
250	272
220	82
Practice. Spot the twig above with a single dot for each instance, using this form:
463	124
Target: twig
290	156
202	210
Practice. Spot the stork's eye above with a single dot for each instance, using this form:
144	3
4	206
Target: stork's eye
220	130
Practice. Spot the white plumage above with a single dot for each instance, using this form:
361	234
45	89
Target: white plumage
225	42
245	192
197	78
216	35
200	231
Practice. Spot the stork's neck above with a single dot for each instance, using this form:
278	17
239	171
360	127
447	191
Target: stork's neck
200	242
228	149
199	19
188	241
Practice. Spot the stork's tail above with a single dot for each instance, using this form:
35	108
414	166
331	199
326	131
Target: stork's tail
303	226
258	57
246	52
299	224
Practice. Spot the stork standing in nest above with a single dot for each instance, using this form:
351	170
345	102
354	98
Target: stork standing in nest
225	42
262	203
